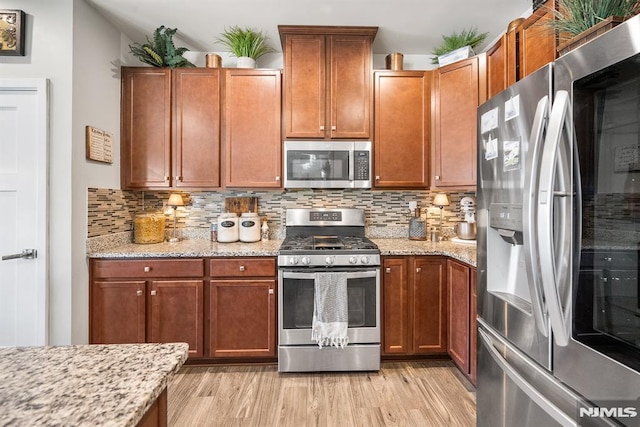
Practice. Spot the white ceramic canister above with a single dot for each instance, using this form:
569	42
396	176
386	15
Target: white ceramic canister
249	227
228	228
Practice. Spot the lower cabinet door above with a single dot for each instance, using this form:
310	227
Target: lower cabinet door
175	315
243	318
395	289
429	305
459	313
118	312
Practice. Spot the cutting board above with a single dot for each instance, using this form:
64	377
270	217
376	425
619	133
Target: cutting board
239	205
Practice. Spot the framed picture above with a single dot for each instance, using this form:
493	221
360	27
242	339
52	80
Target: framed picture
12	32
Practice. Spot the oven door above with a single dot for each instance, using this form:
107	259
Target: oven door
296	300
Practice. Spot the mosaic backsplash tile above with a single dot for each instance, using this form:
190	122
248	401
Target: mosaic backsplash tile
111	211
387	212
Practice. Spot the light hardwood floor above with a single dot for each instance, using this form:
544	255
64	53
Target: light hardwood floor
424	393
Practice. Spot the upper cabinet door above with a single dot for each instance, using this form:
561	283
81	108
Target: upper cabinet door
402	101
196	142
456	89
304	90
327	81
350	95
537	40
252	117
145	128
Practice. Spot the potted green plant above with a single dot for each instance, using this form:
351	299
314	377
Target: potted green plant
578	21
246	44
461	43
160	51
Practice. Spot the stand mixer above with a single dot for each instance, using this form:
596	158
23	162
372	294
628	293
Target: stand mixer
466	231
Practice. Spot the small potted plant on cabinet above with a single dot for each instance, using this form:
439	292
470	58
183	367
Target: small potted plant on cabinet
246	44
578	21
455	47
161	52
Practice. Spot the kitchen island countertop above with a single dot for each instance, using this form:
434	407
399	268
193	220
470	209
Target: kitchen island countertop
196	248
84	385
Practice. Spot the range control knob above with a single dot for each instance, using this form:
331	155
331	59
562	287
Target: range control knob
293	260
365	259
329	260
353	260
305	260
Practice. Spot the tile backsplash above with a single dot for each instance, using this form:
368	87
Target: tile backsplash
387	212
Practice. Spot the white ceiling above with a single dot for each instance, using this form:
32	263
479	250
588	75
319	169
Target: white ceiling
413	27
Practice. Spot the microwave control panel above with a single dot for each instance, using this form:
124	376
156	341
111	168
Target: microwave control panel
361	165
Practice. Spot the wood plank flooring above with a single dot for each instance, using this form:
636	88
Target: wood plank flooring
417	393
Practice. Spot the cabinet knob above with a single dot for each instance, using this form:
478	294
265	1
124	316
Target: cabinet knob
139	292
333	128
147	269
377	177
154	292
242	268
321	127
270	291
387	270
277	179
166	178
179	178
437	177
418	270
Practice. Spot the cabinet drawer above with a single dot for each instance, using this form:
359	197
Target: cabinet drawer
148	268
243	267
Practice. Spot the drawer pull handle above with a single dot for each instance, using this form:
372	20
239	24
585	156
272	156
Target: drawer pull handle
154	292
147	269
387	270
139	292
270	291
242	268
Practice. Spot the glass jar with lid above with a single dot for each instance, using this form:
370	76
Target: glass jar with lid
148	227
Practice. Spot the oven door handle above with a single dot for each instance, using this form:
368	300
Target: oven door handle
310	275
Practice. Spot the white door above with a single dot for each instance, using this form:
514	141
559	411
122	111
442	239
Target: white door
23	212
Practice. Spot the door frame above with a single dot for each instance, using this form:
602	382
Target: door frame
41	87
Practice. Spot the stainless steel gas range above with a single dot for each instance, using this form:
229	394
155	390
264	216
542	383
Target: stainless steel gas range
327	240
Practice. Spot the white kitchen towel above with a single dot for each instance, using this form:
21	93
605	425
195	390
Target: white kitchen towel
330	310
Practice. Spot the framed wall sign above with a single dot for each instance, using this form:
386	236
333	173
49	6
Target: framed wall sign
99	145
12	32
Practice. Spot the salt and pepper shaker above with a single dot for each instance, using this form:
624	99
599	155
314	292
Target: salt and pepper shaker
214	232
265	229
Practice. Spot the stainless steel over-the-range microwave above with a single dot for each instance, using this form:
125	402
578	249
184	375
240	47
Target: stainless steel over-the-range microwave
327	164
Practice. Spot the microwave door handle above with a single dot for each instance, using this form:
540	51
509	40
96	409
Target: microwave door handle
531	249
351	162
555	255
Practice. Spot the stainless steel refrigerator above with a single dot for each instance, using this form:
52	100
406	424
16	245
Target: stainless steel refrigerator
558	214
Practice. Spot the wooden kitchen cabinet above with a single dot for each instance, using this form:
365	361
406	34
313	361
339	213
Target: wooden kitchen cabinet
170	128
147	301
496	63
327	81
414	306
252	118
242	308
462	311
458	90
537	41
402	111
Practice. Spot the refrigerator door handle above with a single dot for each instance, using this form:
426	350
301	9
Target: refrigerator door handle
548	406
531	250
554	246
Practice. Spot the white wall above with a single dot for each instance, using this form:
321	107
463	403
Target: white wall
96	102
82	91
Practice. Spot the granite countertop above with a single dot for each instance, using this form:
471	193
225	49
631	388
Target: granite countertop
196	248
84	385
